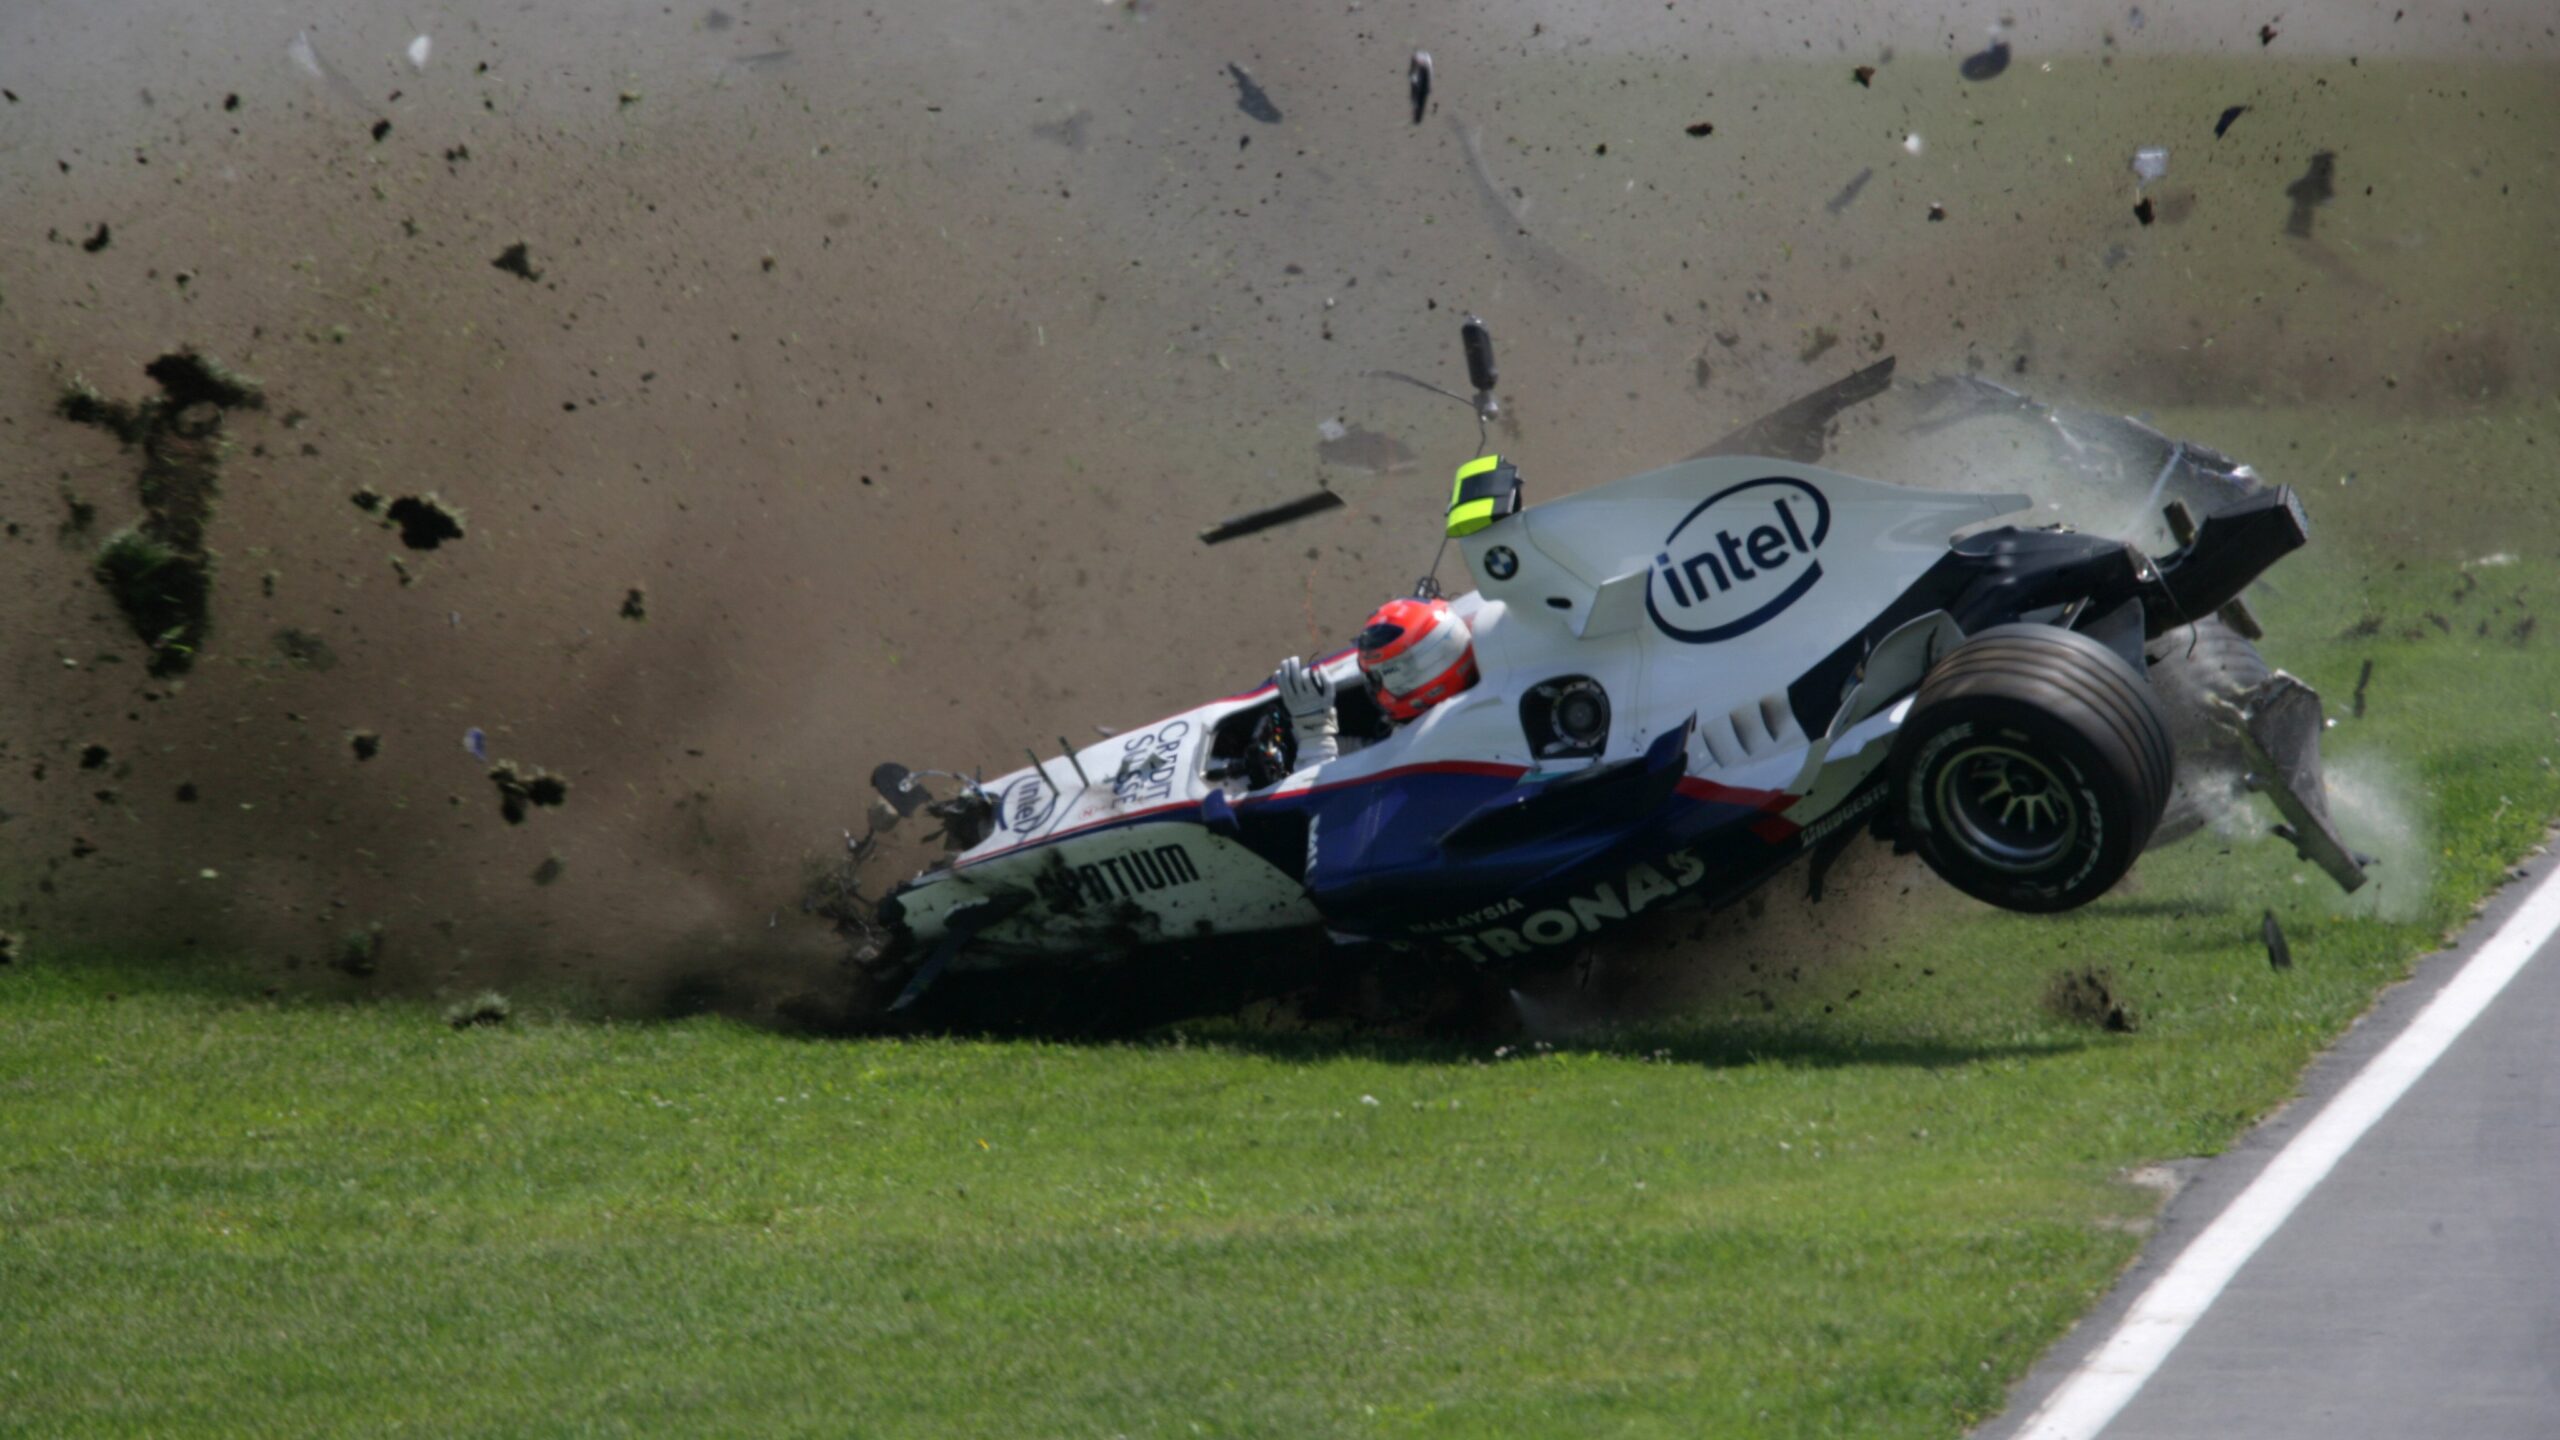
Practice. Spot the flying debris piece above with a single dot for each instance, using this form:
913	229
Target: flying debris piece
1988	62
2150	163
1357	448
2143	212
1937	212
2310	192
1263	519
476	741
1849	193
2279	954
417	52
1251	100
306	58
1701	129
1865	75
2267	36
1417	79
2223	125
2364	677
1912	144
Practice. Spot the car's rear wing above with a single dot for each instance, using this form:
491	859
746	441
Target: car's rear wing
2233	547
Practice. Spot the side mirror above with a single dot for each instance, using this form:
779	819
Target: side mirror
1219	814
1478	342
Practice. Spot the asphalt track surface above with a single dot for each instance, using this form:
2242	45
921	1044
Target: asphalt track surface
2414	1289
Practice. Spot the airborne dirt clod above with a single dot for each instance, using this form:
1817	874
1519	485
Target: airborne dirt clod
635	604
365	743
520	791
425	521
517	260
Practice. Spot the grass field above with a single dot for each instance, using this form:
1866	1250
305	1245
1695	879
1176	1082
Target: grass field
228	1212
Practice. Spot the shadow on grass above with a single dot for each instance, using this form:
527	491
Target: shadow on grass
1711	1044
1480	1032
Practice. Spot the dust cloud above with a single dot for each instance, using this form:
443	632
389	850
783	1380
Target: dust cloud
896	356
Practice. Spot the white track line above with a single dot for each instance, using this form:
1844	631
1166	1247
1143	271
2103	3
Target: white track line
2089	1398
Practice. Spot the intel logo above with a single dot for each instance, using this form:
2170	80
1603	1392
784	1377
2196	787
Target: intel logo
1732	564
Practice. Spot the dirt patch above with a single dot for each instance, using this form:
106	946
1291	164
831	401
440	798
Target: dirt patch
2092	996
425	521
158	570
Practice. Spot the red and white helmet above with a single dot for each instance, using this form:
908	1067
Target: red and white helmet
1416	653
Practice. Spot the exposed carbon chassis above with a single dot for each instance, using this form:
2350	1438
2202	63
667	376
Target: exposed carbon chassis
1690	678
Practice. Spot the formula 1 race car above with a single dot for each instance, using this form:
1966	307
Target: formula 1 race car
1688	680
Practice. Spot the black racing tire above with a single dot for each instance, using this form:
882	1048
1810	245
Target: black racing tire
2198	673
2032	768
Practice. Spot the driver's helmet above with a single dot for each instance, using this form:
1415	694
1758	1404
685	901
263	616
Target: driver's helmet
1416	653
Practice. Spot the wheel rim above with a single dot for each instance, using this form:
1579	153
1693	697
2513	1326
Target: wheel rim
2009	809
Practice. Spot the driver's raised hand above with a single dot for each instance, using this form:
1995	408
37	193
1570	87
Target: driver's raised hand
1306	692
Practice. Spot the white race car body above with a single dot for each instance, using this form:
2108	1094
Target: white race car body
1750	625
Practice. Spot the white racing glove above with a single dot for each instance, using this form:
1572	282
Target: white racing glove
1307	694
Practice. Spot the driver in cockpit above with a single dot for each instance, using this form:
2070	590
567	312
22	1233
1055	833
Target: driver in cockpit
1413	655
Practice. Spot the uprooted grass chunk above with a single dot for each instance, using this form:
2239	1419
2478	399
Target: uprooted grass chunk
359	952
165	595
158	571
425	521
520	790
486	1008
191	377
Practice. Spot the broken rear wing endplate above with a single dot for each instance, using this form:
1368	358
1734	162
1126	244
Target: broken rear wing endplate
2280	726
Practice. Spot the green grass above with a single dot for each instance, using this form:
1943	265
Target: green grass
228	1212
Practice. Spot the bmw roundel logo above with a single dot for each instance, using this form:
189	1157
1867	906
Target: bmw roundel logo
1500	563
